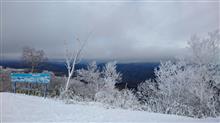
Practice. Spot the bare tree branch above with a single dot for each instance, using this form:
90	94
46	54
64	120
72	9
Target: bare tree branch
72	60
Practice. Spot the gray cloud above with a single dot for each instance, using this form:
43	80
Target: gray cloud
124	31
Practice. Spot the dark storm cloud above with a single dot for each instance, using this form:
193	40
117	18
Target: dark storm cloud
119	30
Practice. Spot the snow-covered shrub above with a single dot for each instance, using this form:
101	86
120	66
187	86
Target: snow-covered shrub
149	96
77	92
106	96
127	100
70	97
147	90
85	91
114	98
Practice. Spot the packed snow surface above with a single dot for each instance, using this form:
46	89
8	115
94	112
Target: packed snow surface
24	108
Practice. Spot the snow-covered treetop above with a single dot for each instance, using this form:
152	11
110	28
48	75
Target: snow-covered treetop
111	76
205	50
89	75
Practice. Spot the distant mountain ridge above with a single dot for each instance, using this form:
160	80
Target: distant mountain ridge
133	73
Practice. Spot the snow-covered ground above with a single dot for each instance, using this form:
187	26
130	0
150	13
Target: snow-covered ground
24	108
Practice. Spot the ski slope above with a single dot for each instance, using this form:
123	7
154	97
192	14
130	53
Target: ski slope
24	108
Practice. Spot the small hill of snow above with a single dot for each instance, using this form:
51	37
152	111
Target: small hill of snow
24	108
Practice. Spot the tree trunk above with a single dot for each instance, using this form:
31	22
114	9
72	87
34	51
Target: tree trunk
67	83
71	72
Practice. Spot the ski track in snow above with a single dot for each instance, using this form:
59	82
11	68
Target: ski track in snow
25	108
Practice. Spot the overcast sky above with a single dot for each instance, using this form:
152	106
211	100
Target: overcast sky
120	30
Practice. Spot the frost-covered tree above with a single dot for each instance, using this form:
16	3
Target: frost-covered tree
111	76
91	77
189	86
111	96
